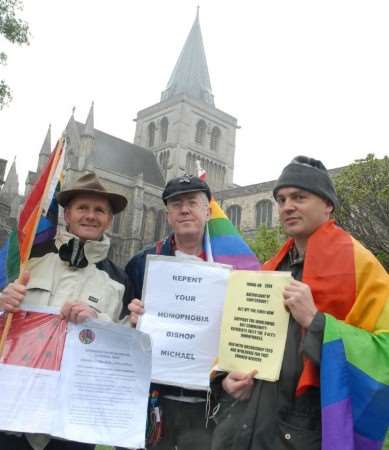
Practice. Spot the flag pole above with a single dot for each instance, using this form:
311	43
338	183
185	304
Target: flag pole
9	316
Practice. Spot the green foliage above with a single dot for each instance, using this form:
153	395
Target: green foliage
267	242
363	192
14	30
5	94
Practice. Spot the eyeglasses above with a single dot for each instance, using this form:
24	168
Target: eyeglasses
192	204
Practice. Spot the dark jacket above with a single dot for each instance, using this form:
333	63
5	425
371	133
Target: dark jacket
274	418
135	269
117	274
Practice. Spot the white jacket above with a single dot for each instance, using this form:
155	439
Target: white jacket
53	282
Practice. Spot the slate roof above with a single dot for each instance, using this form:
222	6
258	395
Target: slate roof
122	157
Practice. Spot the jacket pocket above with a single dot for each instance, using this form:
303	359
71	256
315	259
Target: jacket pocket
297	431
38	282
228	422
38	291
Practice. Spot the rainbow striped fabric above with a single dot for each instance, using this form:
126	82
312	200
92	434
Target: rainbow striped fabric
352	288
224	244
355	387
354	376
38	219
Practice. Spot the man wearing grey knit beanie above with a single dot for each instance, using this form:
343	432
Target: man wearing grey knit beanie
256	414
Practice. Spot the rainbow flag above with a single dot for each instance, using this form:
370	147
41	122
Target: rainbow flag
38	219
222	241
224	244
355	387
3	264
352	288
9	260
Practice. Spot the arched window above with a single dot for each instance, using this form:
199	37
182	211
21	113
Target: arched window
188	163
116	223
264	210
164	162
234	213
164	129
215	138
151	134
200	132
223	176
143	225
149	232
160	225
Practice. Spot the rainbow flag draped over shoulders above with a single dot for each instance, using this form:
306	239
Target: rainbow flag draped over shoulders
224	244
37	223
354	374
351	287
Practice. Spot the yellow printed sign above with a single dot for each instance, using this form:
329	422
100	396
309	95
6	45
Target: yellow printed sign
255	323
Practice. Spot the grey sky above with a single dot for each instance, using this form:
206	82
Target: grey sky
302	77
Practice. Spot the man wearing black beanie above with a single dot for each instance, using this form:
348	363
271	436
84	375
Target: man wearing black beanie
336	280
308	174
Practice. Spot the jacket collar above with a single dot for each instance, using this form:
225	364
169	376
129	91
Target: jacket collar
95	251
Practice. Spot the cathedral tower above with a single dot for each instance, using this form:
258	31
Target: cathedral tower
185	125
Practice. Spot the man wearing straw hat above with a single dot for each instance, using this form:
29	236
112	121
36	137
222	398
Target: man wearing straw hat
76	276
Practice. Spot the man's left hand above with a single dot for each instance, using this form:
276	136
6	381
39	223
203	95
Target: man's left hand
299	301
77	312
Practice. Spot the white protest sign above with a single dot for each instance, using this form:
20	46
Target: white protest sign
96	391
183	308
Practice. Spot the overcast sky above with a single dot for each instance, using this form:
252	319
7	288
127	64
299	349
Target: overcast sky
302	77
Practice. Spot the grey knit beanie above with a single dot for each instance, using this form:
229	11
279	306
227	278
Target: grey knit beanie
308	174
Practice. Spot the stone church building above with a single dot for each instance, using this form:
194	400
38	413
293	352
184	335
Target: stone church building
185	126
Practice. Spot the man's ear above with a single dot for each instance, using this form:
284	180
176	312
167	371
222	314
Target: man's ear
66	215
209	212
168	217
330	207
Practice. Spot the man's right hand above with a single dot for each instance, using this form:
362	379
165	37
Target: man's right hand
136	308
13	295
239	385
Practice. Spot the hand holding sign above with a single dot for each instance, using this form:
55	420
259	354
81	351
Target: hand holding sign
255	323
239	385
136	308
183	301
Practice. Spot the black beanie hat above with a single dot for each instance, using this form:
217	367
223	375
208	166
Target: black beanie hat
308	174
